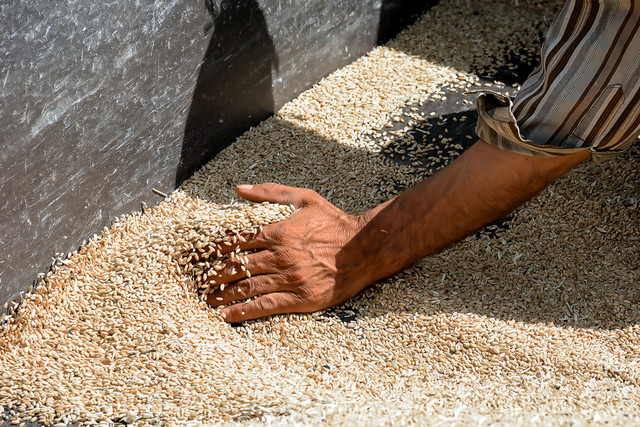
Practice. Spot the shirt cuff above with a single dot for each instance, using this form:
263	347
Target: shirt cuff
498	126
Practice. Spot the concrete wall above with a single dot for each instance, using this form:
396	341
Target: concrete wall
102	101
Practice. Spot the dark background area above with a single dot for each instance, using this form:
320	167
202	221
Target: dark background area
102	101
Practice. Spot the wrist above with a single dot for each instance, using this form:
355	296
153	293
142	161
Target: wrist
373	250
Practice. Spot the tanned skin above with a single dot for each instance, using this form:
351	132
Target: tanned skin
320	256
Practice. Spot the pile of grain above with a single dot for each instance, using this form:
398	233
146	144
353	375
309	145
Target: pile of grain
537	322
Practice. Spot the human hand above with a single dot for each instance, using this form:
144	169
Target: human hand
300	264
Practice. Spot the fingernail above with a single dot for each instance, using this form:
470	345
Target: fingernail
245	187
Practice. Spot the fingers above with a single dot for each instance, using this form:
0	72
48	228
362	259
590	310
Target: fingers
235	269
275	193
244	289
245	242
232	243
266	305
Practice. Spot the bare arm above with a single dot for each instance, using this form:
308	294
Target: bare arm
321	256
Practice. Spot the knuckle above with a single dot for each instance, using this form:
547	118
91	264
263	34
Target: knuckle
244	289
270	186
275	234
309	195
230	269
285	257
306	294
267	303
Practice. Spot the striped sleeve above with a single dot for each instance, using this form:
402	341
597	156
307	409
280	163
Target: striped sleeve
585	94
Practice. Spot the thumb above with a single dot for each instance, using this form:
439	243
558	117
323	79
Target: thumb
275	193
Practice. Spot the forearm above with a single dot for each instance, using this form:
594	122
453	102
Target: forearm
482	185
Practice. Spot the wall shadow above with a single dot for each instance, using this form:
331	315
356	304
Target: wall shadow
395	15
233	91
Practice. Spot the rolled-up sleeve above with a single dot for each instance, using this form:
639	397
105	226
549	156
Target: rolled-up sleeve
584	95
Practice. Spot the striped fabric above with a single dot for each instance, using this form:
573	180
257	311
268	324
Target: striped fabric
584	94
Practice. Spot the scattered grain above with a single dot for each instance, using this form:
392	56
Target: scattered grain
537	324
